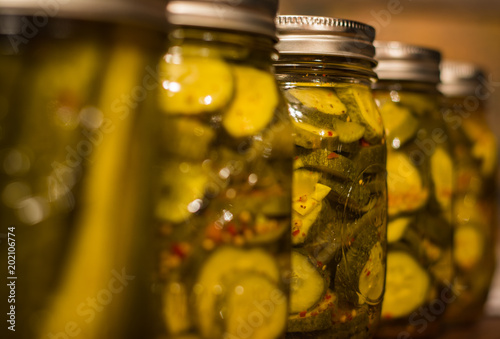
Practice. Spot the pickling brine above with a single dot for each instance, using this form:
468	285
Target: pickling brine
339	201
224	189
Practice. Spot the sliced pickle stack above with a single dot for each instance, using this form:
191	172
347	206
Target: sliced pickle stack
224	204
419	232
338	211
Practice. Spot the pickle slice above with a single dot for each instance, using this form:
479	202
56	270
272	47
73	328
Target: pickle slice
304	204
371	159
176	311
396	228
348	131
348	193
307	285
256	302
329	162
354	280
362	109
311	137
318	318
302	224
399	123
323	99
186	137
407	285
181	186
404	185
218	276
254	104
468	246
442	177
195	85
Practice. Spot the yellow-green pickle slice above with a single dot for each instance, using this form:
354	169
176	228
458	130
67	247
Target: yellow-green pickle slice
233	285
407	285
323	99
195	85
399	123
362	109
307	285
442	177
254	104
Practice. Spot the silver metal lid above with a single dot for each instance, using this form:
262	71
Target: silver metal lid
249	16
399	61
460	78
317	35
143	12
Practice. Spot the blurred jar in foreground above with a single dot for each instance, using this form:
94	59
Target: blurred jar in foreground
474	208
74	84
420	183
223	206
339	204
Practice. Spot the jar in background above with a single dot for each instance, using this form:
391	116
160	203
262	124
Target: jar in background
73	153
474	207
224	186
339	200
420	183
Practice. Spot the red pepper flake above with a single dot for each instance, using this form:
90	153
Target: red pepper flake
364	143
368	273
303	198
295	233
332	155
328	296
349	316
314	314
302	314
330	133
387	316
231	228
296	157
179	250
352	240
319	263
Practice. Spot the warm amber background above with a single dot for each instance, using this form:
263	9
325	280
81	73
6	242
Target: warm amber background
466	30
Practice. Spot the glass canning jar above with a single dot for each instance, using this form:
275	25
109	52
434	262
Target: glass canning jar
339	200
474	208
73	135
420	184
224	186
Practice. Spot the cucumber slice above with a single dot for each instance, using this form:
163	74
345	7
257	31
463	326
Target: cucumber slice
348	193
195	85
372	278
176	311
404	185
329	162
396	228
256	302
323	99
406	287
307	285
400	124
442	177
362	109
302	224
311	137
218	276
304	204
318	318
348	131
418	103
354	280
179	189
254	104
186	137
371	159
468	247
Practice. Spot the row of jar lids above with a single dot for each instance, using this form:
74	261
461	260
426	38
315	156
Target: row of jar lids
298	34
